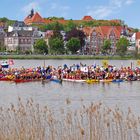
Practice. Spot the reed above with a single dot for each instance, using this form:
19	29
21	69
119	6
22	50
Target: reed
30	121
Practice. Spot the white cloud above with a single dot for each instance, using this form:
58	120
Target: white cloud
116	3
33	5
112	7
100	12
120	3
128	2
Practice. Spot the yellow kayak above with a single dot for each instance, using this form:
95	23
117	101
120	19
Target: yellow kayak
90	81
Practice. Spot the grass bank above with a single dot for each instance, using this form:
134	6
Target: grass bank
80	57
30	121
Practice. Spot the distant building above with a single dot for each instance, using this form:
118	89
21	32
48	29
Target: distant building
87	18
132	42
18	26
2	35
35	18
138	41
95	37
21	40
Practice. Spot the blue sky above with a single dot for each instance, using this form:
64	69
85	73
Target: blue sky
127	10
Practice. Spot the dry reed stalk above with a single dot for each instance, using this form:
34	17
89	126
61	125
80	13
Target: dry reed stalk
29	121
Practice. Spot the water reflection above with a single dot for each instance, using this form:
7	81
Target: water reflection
123	94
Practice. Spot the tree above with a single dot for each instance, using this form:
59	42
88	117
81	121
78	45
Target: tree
69	26
76	34
106	46
122	45
56	26
136	30
2	48
4	19
40	46
51	26
73	45
56	46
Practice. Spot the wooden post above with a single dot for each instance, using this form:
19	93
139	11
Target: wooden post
131	65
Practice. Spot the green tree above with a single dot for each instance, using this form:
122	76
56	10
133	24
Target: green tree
122	45
136	30
106	46
69	26
51	26
4	19
2	48
40	46
73	45
56	46
76	34
56	26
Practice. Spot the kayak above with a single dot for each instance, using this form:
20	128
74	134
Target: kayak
5	79
90	81
74	80
25	80
117	80
106	80
56	80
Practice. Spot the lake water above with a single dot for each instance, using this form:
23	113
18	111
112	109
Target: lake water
124	95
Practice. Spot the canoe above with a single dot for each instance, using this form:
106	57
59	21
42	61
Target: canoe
117	80
74	80
56	80
106	80
25	80
5	79
90	81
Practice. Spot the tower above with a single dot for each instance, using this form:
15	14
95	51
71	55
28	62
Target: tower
32	13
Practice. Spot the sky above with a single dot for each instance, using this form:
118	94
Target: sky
126	10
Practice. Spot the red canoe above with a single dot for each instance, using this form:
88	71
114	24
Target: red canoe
25	80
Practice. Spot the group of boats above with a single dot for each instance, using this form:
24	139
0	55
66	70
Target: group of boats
75	73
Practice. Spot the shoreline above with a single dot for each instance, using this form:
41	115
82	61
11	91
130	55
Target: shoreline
69	57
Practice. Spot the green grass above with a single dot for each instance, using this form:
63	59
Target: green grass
80	57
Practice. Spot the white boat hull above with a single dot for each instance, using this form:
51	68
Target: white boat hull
74	80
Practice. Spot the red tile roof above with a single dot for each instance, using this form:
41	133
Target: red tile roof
36	18
104	31
87	18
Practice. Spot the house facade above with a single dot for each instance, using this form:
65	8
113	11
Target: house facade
138	41
20	25
2	35
21	37
21	40
95	37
